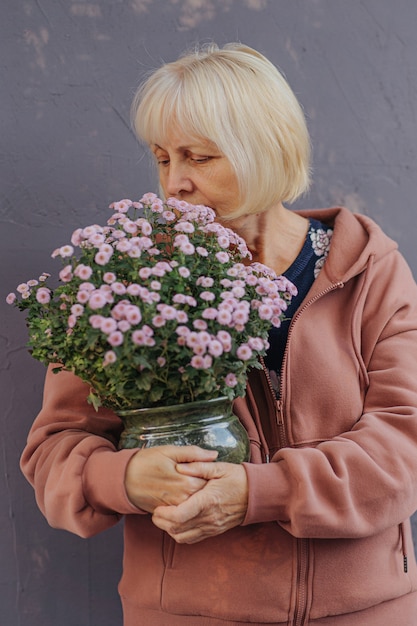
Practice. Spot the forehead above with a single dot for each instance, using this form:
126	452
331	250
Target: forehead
178	139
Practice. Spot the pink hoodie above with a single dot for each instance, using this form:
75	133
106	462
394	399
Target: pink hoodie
326	539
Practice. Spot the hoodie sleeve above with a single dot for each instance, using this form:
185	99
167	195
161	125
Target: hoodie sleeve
355	473
72	462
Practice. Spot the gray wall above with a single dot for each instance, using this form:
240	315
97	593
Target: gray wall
68	71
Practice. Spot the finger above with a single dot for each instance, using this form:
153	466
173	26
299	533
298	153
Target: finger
183	517
191	536
192	530
175	518
188	454
202	469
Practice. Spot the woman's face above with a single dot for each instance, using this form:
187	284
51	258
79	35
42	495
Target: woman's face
196	171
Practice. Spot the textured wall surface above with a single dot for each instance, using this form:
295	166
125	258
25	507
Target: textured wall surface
68	72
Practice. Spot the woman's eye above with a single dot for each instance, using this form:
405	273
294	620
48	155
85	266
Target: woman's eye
200	159
163	161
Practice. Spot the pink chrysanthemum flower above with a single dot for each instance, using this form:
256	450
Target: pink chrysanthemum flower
223	257
83	271
187	248
77	237
118	288
223	241
207	296
115	338
265	312
144	243
122	206
255	343
138	337
83	296
184	272
133	314
215	348
144	226
130	227
108	325
200	324
240	317
182	331
86	286
109	358
224	317
134	289
182	317
198	362
185	227
225	339
230	380
72	320
158	321
169	216
244	352
168	312
109	277
95	320
205	281
210	313
145	272
102	258
66	274
123	245
66	251
77	310
97	300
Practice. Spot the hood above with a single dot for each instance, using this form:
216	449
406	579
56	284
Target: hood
356	240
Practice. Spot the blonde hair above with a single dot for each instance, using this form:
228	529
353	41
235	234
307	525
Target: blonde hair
237	99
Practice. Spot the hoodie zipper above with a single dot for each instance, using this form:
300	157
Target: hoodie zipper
305	306
302	582
278	403
300	609
403	548
278	407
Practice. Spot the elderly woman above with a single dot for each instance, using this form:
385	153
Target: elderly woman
315	528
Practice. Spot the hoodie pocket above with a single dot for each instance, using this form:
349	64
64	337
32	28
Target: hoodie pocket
354	574
168	549
244	575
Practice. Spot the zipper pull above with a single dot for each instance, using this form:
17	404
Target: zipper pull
279	411
280	418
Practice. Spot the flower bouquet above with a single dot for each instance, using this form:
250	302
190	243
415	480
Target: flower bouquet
160	307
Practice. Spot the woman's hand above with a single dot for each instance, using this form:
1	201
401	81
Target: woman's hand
152	478
220	505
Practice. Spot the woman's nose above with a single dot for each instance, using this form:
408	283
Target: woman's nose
177	179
